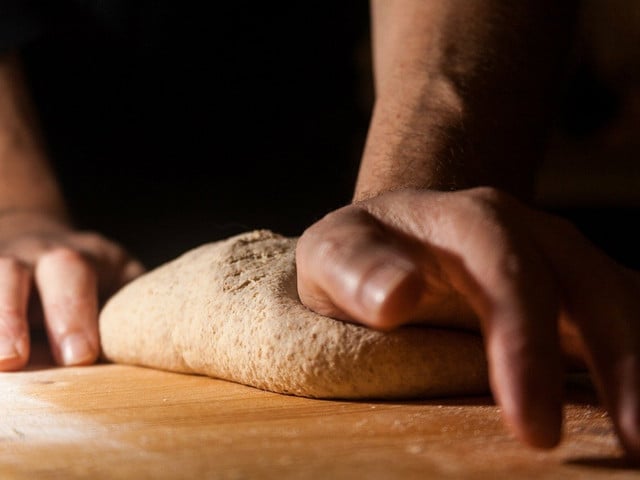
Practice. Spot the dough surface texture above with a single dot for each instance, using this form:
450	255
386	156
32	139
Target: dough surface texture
230	310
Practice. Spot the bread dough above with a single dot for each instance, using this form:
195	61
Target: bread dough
230	310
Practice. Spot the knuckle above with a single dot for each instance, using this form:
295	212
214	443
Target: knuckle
489	201
10	265
89	238
9	315
490	195
94	240
331	248
29	245
65	255
564	227
508	268
340	247
92	235
336	234
133	268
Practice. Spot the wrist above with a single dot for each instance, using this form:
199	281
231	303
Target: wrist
440	141
413	142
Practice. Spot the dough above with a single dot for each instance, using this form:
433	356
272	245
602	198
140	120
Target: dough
230	310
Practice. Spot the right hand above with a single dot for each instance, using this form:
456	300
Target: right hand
537	286
51	271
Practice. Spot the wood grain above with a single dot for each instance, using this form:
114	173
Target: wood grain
122	422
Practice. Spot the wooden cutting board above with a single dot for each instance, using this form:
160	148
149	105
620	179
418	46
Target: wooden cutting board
122	422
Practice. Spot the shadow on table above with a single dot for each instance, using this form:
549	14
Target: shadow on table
578	389
607	463
41	357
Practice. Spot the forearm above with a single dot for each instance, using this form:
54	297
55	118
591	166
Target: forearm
26	180
463	92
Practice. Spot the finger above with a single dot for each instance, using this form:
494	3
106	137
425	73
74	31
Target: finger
603	301
505	279
348	268
68	291
486	256
14	330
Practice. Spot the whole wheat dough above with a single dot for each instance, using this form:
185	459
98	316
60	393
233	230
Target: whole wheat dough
230	310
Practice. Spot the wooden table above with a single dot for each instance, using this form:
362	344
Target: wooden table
114	421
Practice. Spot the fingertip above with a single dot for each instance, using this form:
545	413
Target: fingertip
14	331
527	382
535	418
14	353
539	427
626	415
629	434
77	349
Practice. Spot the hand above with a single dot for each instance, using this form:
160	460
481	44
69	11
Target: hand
536	286
69	272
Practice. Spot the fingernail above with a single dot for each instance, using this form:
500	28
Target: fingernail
75	349
8	349
383	280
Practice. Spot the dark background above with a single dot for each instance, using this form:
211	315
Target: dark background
175	123
171	124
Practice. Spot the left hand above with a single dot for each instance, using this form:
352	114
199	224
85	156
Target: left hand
56	277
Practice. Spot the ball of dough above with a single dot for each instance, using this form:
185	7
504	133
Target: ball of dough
230	310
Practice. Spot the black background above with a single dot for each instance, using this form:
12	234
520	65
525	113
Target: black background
175	123
172	124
